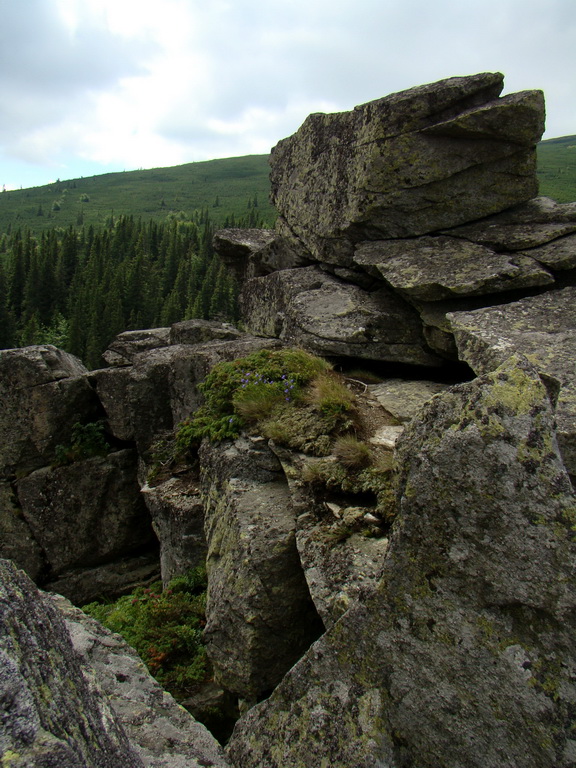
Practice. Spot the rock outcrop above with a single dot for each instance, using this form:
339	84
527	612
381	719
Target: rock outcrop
412	163
465	656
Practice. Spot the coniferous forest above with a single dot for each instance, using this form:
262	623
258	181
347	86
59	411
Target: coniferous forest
78	288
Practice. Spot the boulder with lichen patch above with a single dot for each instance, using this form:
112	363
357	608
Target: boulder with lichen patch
464	657
411	163
259	615
310	308
543	328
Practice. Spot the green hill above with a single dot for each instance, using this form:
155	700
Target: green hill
234	187
557	168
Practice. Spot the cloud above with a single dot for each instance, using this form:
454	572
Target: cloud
137	83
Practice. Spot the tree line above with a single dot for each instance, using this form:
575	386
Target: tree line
77	289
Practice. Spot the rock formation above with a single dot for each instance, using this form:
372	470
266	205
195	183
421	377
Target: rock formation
409	242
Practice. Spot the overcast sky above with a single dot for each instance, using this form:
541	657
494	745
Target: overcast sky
92	86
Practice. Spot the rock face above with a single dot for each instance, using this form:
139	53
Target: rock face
412	163
54	712
43	392
543	328
309	308
465	656
98	499
259	614
160	731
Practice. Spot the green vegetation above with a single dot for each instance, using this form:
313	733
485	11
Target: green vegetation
232	189
557	168
249	389
87	440
165	628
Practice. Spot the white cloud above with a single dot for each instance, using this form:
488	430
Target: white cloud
137	83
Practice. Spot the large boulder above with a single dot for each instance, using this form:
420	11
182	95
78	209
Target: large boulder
54	712
86	513
310	308
434	268
411	163
160	731
543	328
43	393
465	656
259	615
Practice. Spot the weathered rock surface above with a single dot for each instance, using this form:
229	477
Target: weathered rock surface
543	328
178	521
259	615
528	225
310	308
128	344
160	731
341	566
86	513
465	655
200	331
43	392
402	398
54	713
161	388
254	252
434	268
16	540
413	162
110	580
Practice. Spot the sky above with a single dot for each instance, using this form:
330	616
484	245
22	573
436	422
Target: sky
95	86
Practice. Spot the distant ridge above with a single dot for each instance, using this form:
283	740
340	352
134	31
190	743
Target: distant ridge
225	188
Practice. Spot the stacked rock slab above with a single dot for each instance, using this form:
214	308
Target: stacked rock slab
400	201
411	163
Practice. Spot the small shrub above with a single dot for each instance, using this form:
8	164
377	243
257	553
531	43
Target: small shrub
165	628
247	390
351	452
87	440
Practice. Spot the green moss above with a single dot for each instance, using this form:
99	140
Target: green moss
247	390
8	758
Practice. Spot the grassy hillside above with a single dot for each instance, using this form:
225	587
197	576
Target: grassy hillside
557	168
224	187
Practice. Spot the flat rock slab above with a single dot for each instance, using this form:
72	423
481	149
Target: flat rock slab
312	309
435	268
413	162
404	398
543	329
528	225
